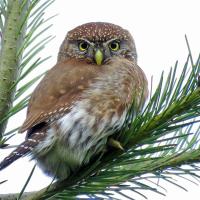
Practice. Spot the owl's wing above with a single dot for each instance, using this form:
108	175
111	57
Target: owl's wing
59	89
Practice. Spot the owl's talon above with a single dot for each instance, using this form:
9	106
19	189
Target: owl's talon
114	143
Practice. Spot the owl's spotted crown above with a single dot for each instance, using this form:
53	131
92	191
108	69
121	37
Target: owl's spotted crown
99	31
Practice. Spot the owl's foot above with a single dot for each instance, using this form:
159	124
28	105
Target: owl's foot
114	143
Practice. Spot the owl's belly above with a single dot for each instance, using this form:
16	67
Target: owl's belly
60	161
62	158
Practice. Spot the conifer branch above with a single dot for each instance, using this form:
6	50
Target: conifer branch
12	34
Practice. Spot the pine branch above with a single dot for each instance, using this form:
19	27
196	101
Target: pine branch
14	196
9	62
137	168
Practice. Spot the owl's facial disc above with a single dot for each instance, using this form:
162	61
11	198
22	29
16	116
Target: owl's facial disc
99	51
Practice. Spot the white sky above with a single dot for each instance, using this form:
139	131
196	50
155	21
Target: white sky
158	28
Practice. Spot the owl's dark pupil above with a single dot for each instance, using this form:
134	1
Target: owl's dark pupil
113	45
83	45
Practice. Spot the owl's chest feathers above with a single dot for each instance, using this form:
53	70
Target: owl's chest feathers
84	130
102	106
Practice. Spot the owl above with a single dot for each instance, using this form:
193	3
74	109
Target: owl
83	100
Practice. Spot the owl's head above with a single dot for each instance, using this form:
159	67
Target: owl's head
97	42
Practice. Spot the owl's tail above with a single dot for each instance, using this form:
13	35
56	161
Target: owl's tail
23	149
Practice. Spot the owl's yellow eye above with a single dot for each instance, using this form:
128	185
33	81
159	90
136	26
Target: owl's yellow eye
83	46
114	46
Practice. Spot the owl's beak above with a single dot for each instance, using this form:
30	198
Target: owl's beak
98	56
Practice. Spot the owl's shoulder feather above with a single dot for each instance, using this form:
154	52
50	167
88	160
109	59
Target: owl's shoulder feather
58	90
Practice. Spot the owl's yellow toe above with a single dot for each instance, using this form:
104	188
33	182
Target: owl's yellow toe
114	143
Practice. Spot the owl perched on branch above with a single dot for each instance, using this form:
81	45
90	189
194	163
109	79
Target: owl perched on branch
82	100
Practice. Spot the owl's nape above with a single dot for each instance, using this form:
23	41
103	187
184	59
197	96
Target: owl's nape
83	100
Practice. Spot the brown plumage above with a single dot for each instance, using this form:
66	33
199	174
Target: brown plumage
83	99
67	80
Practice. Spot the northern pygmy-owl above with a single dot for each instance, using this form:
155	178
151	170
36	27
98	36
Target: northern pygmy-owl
83	99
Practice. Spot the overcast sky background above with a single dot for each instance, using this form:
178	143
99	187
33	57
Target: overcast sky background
158	28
